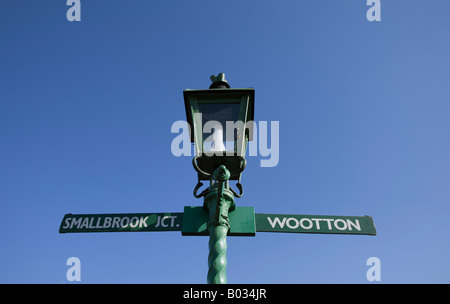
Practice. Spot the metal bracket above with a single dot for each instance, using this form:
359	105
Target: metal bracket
243	163
197	168
241	191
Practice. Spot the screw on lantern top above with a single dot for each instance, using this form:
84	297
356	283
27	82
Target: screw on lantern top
219	82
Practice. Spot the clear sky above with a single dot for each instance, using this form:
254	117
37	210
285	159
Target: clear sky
86	110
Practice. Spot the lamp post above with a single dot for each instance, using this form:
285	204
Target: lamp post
220	157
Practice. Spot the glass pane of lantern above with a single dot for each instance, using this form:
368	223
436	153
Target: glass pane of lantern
214	118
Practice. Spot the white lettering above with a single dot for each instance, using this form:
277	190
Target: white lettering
124	222
295	226
107	222
374	12
85	223
374	272
317	223
274	151
306	219
74	13
328	222
76	222
239	129
340	221
116	222
213	144
355	224
97	225
203	294
181	144
67	223
74	272
309	223
182	139
143	222
91	223
163	219
275	221
253	144
172	223
135	223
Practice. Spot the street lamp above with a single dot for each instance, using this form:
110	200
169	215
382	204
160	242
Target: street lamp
221	124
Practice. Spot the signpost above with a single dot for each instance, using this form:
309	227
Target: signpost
315	224
194	221
218	217
121	222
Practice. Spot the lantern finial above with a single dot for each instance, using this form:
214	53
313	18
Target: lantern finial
219	82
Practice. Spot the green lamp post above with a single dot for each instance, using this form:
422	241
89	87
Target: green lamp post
221	121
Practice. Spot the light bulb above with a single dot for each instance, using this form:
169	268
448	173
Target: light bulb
217	144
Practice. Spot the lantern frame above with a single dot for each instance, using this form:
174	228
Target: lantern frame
233	160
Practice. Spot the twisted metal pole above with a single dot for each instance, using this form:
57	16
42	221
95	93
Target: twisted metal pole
218	200
217	258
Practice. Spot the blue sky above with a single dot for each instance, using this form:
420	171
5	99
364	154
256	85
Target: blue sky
86	110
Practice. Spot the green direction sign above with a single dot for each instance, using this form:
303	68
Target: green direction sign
122	222
315	224
242	221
